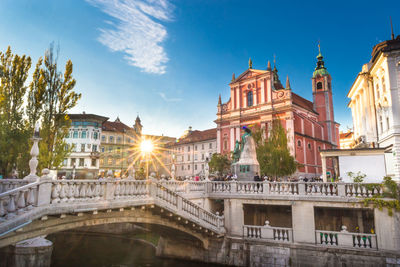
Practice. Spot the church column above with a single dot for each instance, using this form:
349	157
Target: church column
238	133
269	91
237	97
262	91
219	140
232	137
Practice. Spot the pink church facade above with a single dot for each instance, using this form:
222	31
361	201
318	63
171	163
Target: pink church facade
257	97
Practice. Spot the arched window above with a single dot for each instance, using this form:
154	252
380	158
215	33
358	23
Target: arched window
298	143
383	85
319	85
377	91
250	98
309	146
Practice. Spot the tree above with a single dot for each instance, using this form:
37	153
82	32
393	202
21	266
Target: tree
13	132
219	163
273	154
49	99
53	103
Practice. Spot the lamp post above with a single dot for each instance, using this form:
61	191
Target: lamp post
146	147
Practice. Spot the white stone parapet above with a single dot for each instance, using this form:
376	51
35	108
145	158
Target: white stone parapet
346	239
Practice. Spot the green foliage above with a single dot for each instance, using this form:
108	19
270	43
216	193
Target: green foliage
273	154
13	131
357	177
49	98
390	190
219	163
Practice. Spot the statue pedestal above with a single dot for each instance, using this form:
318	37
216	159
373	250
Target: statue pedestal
247	166
245	172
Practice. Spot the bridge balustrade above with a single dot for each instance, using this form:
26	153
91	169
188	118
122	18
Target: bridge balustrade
10	184
306	189
346	239
266	232
18	200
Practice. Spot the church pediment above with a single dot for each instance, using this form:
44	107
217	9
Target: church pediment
249	73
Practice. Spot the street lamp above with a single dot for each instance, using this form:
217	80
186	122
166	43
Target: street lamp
146	146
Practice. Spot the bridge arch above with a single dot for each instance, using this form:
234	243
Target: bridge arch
54	224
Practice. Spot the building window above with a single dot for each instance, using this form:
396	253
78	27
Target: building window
387	123
81	162
119	139
195	167
377	92
65	162
110	149
202	146
83	135
298	143
381	123
73	161
250	98
195	148
225	144
111	139
94	162
189	167
319	148
188	148
202	166
210	146
73	148
319	85
95	135
309	146
188	157
329	86
202	156
118	150
75	134
109	161
103	138
82	147
102	149
383	85
183	168
94	148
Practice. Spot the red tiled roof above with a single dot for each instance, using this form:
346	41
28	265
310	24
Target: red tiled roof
198	136
302	102
346	135
116	126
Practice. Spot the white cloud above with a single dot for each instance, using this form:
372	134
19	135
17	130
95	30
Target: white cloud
167	99
137	31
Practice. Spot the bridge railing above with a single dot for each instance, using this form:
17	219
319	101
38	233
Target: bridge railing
346	239
307	189
18	200
181	205
9	184
266	232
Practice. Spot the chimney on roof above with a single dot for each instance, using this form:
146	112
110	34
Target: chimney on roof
190	129
269	66
391	25
83	112
287	82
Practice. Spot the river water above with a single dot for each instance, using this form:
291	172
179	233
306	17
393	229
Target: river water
102	250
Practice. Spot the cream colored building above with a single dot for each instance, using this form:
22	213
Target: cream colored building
375	103
192	151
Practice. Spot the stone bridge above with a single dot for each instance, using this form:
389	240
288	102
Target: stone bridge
45	206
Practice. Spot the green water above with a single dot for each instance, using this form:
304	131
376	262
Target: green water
78	249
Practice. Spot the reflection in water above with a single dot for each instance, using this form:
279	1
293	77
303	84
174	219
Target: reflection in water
78	249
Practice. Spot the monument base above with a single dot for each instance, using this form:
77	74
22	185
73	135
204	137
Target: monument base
245	172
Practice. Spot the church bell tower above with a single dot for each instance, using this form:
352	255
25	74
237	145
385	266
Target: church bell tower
322	99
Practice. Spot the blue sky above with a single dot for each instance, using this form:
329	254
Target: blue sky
169	60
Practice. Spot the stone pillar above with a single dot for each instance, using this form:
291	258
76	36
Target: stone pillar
303	225
387	229
234	217
35	252
323	161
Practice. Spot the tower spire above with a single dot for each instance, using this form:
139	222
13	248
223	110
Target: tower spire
219	100
269	66
250	63
233	77
391	26
287	82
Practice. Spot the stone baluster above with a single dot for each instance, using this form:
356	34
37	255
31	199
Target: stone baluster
21	202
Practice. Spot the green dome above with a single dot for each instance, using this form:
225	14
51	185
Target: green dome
320	72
